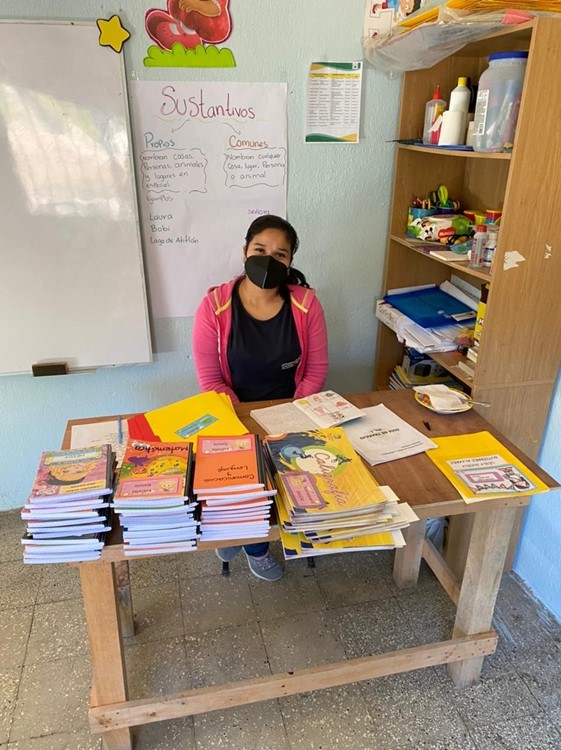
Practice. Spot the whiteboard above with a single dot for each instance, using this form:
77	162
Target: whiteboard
71	273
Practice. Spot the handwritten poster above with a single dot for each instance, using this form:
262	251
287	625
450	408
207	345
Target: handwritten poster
210	158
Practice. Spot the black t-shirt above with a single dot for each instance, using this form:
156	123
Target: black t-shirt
262	354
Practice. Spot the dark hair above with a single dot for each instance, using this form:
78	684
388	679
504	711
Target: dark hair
270	221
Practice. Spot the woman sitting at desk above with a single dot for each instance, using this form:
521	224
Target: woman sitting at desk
262	336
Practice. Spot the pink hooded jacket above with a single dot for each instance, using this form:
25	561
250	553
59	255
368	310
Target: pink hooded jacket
211	330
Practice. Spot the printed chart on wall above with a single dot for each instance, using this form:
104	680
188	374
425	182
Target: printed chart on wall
211	157
333	102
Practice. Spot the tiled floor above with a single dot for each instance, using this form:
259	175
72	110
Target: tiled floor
196	628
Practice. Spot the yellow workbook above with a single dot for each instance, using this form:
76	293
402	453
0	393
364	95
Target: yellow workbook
319	474
481	467
296	545
208	413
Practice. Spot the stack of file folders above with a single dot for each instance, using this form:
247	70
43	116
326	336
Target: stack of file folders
153	499
233	489
66	513
328	502
429	319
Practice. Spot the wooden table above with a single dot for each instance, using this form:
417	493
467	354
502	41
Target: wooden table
415	480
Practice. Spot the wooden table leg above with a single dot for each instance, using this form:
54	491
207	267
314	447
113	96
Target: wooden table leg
109	680
124	598
480	585
408	559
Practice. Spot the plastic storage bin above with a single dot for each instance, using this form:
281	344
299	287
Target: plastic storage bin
498	102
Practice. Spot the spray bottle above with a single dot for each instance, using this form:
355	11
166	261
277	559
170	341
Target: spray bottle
433	109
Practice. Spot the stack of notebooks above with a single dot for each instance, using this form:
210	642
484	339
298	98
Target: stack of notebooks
400	380
233	489
67	511
153	498
328	502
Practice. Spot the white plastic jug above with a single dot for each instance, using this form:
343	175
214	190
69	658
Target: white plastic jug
498	101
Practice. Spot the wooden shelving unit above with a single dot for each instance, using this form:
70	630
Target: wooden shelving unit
520	349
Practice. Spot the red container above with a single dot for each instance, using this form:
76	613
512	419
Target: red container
493	216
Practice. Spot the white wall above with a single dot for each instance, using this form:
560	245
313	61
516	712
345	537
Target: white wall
337	199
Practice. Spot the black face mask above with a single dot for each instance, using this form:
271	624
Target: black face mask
265	271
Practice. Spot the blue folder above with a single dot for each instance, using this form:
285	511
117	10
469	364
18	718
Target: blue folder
430	308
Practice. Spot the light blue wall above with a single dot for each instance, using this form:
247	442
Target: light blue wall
538	560
337	199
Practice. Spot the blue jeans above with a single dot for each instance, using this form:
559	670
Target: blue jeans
257	550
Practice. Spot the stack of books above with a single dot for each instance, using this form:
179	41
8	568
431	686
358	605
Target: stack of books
66	513
233	489
473	351
328	502
400	380
153	499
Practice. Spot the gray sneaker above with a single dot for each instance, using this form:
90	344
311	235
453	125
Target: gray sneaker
227	553
266	568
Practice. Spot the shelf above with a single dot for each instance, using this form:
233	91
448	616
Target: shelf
453	152
504	40
453	362
450	361
478	273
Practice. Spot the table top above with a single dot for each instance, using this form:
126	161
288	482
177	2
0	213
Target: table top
415	480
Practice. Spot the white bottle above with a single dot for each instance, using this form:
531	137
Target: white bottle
460	98
498	101
478	243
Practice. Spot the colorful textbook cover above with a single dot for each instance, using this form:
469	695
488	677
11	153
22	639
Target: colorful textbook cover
481	467
320	474
154	470
229	463
78	473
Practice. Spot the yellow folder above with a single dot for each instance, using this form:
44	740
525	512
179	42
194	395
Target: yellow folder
480	467
208	413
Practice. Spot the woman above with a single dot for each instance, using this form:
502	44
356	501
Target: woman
262	336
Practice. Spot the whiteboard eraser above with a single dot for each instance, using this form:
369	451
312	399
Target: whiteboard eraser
50	368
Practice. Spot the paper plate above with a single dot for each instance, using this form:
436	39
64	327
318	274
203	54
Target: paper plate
466	407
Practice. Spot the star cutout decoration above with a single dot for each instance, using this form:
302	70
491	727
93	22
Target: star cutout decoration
112	33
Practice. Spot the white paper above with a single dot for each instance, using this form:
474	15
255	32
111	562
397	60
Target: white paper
426	340
99	433
382	436
211	158
458	294
443	398
333	102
